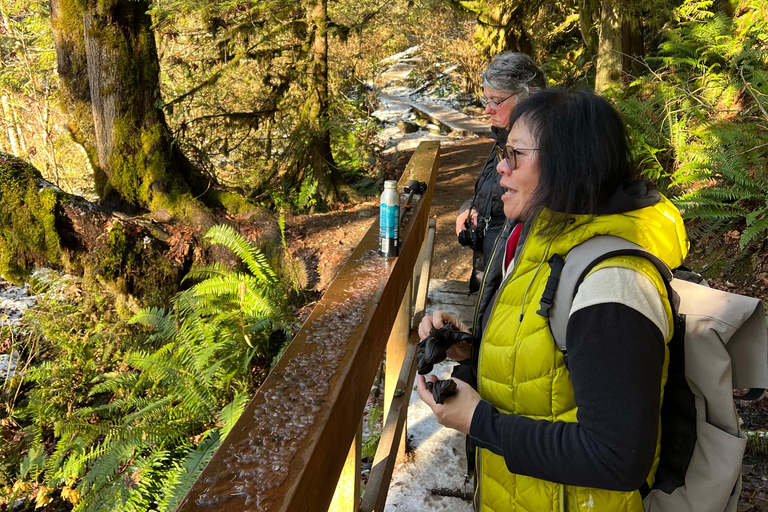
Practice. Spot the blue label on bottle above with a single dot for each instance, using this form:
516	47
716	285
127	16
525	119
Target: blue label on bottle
389	229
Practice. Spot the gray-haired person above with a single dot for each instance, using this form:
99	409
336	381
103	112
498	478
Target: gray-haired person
510	78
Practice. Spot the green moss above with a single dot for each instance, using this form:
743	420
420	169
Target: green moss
136	274
233	203
115	253
27	220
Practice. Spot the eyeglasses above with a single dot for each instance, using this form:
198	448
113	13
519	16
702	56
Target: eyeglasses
494	104
509	154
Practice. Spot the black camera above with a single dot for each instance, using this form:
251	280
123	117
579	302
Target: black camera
472	238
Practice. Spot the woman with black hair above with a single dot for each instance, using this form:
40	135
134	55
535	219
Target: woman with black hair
583	436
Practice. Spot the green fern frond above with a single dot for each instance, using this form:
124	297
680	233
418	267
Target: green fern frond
181	480
214	269
113	381
253	258
153	410
695	209
107	460
758	227
229	415
694	10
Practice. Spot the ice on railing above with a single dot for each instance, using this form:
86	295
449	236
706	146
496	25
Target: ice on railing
260	463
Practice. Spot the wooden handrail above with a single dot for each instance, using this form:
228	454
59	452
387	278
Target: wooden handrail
380	476
288	448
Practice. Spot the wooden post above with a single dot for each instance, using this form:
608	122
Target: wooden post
396	347
347	495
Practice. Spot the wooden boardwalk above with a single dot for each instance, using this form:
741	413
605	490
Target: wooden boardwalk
451	297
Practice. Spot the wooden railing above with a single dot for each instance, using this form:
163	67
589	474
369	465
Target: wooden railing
290	449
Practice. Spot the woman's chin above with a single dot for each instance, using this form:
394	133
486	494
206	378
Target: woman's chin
512	211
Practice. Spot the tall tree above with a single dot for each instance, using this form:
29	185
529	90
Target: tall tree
609	48
108	47
315	163
613	30
319	148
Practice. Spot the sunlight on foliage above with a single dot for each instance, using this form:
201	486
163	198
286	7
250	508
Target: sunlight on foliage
698	118
127	419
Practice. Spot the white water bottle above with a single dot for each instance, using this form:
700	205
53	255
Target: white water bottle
389	220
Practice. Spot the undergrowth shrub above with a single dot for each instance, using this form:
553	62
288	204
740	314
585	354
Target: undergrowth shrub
124	417
698	119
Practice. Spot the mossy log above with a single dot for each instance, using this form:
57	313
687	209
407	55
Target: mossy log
137	259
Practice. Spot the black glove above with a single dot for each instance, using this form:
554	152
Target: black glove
432	349
442	389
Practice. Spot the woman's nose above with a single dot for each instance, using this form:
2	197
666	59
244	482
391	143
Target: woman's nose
489	110
502	167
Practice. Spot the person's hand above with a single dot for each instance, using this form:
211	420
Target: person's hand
462	218
437	320
457	411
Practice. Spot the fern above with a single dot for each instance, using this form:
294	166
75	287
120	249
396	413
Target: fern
231	413
692	117
757	228
184	475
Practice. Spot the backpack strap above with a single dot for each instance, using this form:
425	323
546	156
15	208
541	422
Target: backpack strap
578	263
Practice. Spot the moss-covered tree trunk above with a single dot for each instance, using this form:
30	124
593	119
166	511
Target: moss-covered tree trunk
589	10
69	40
315	115
138	261
620	45
109	46
501	27
609	50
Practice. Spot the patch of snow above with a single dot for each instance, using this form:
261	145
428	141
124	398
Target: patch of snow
439	461
8	363
14	301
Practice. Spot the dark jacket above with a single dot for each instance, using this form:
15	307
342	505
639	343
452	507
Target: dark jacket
487	202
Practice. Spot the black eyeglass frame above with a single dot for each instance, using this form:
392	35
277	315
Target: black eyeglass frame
494	104
504	152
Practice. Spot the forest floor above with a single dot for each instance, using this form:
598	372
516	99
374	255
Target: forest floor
325	241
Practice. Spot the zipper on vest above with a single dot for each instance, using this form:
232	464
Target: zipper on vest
492	305
562	498
478	476
485	276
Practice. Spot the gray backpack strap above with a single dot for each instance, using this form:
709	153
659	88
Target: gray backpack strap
578	262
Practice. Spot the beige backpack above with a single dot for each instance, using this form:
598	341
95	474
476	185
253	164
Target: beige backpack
720	344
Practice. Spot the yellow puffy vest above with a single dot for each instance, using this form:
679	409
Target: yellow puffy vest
521	370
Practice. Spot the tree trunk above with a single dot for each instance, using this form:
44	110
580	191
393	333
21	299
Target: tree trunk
589	11
502	28
138	261
609	52
109	46
633	44
320	157
69	40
